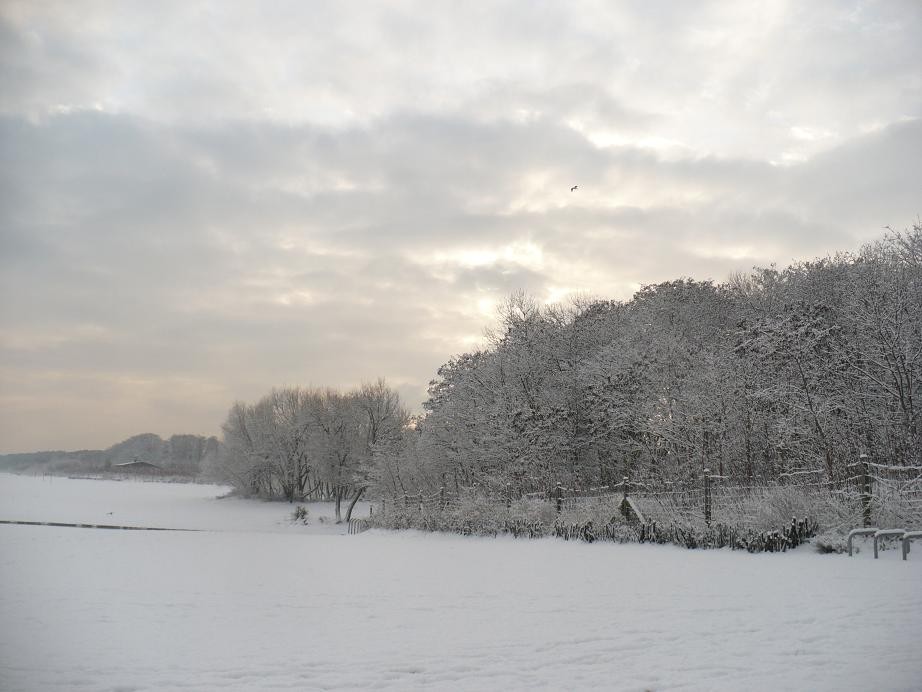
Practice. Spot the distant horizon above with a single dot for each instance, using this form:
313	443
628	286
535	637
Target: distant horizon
205	201
162	436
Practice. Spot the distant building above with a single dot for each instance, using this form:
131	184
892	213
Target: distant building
139	467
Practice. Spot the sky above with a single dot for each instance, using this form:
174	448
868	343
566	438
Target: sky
200	201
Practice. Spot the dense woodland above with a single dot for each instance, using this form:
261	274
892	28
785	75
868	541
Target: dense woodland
774	371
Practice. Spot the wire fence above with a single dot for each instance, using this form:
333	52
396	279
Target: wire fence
710	511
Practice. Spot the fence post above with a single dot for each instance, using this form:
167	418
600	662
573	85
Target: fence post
707	496
419	502
558	494
865	490
625	482
508	495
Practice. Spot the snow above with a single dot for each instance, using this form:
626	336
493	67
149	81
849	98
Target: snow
262	604
152	504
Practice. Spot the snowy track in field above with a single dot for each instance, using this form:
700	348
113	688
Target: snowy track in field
255	610
61	524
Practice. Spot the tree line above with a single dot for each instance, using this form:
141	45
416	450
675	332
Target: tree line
178	455
298	443
774	371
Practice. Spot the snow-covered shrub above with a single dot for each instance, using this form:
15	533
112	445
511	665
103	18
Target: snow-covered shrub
622	533
598	510
776	506
831	542
301	514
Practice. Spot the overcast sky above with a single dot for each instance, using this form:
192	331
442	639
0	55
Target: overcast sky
202	200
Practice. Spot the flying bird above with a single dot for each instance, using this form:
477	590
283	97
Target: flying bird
572	189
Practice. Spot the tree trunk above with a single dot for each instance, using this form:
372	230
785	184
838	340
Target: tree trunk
358	494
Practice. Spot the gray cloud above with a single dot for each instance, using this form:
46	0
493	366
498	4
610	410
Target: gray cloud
200	202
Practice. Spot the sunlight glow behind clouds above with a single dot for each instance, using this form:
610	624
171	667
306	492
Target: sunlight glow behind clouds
525	253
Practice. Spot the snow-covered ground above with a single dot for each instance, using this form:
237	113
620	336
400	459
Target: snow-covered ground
152	504
261	604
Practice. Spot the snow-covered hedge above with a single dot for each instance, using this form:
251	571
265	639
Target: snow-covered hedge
590	521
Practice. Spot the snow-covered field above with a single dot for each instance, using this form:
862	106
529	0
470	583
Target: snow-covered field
255	603
152	504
